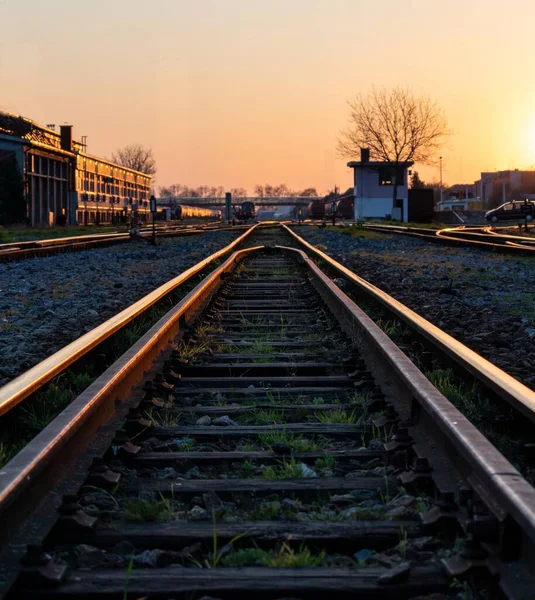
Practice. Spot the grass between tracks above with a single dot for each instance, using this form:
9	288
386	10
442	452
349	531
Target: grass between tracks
31	417
498	421
296	443
286	557
35	415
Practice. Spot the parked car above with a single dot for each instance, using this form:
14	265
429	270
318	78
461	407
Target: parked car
518	209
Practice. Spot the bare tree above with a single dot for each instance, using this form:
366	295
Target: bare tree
396	126
172	190
238	192
269	191
311	191
136	157
282	190
203	191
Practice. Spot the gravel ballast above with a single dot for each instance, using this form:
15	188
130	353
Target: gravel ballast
482	299
46	303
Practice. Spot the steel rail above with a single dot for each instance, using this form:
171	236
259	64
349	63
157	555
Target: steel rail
465	238
402	228
488	229
494	378
26	384
35	249
22	470
95	237
18	251
31	244
476	456
477	233
507	486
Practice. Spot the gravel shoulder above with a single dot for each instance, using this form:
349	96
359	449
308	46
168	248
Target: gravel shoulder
46	303
487	301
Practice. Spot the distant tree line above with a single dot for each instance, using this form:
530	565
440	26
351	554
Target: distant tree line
276	191
210	191
202	191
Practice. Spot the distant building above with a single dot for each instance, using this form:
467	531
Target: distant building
374	185
453	203
493	186
63	183
460	191
461	196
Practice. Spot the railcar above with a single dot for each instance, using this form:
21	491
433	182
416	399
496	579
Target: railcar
343	204
316	209
245	211
182	211
344	208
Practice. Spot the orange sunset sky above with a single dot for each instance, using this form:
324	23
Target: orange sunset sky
239	92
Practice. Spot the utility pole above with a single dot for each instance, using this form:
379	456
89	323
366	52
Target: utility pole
441	183
228	207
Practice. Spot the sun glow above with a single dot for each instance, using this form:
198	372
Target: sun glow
530	139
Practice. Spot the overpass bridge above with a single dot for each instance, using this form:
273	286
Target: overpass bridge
256	200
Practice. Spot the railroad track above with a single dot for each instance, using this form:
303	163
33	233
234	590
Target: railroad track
475	237
14	251
266	437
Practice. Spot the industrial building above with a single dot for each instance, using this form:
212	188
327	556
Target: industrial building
62	183
494	188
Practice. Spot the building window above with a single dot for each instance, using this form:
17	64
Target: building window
386	176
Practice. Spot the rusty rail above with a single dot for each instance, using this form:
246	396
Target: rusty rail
475	457
21	470
26	384
13	251
507	387
460	236
43	465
